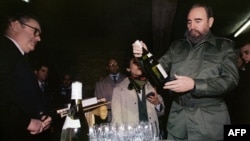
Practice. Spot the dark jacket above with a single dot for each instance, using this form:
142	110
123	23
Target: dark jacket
239	100
20	96
211	63
200	114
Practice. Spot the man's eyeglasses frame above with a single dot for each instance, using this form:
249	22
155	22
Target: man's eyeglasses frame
37	32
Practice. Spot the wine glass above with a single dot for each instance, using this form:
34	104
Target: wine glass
155	131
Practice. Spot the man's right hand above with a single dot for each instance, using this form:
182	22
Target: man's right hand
46	122
137	48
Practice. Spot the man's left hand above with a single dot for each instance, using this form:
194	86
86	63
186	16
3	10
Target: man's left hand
180	84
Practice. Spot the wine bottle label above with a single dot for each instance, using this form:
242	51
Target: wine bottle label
76	91
156	72
71	123
160	68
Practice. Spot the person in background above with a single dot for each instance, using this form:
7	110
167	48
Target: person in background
41	71
202	69
131	102
239	102
23	115
245	54
60	101
240	62
65	90
104	87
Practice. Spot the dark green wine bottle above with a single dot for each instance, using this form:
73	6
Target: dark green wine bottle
153	70
75	127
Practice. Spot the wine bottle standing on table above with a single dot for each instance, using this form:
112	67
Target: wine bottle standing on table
153	70
75	127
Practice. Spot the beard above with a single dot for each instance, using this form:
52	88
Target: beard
195	36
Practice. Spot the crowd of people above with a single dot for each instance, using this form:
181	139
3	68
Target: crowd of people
202	69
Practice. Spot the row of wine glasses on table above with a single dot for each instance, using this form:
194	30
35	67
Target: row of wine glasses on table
143	131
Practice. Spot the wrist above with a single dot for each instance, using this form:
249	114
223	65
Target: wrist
157	103
193	90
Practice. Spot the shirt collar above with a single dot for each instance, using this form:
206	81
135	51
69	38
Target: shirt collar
210	38
40	83
17	45
117	75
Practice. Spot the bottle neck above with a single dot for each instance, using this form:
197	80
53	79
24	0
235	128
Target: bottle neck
75	108
76	101
146	54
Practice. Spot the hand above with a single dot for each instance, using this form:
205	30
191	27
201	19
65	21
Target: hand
46	121
35	126
181	84
137	48
154	99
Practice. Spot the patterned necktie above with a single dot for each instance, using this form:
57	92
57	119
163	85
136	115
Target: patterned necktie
42	87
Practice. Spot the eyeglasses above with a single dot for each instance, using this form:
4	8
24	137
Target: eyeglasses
113	65
37	32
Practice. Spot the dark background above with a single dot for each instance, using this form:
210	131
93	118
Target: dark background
79	35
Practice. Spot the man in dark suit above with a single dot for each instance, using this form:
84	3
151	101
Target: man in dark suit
22	114
42	72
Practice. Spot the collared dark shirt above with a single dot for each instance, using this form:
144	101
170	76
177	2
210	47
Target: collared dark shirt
211	63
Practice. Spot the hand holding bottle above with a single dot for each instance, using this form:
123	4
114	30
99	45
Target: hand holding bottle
180	84
138	48
153	70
